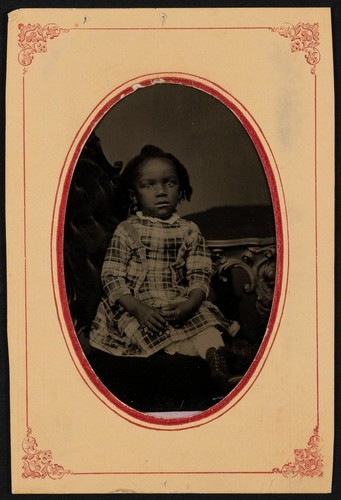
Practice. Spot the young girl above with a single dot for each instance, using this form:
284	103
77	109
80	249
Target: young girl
156	274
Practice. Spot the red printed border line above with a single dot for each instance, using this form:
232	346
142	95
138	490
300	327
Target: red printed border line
308	462
38	464
304	37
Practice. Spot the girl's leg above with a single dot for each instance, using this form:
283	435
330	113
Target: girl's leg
203	341
210	346
184	347
198	345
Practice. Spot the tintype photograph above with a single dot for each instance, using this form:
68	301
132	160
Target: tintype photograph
170	306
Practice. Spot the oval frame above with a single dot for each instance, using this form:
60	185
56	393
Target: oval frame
282	238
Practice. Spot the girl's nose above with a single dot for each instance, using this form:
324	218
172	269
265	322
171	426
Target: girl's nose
160	189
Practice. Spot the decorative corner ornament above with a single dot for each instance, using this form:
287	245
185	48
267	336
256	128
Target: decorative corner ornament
37	464
32	39
308	462
304	37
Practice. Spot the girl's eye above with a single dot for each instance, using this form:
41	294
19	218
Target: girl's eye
171	183
147	186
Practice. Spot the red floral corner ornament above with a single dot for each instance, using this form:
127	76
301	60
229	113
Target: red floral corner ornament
304	37
32	39
37	464
308	462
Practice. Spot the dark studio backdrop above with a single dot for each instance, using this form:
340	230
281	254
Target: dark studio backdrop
200	131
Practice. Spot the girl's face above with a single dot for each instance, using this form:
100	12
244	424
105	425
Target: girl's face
157	188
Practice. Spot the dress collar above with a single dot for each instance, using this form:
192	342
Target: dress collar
171	220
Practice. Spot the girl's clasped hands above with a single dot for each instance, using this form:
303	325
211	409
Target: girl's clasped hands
156	321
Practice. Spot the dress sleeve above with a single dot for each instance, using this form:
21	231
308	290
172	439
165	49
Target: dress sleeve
114	270
198	263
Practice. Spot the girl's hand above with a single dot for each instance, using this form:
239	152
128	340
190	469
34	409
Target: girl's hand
178	314
150	318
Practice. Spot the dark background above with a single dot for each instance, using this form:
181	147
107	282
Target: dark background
7	6
200	131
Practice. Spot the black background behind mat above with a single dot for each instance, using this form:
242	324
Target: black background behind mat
7	6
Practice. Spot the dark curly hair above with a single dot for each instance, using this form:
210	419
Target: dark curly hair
126	180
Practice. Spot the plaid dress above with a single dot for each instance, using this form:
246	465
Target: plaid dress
159	262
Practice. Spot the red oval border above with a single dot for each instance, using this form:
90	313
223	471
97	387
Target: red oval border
126	89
